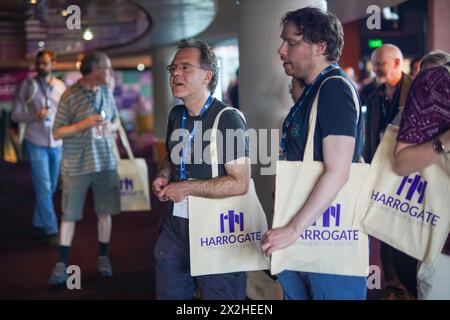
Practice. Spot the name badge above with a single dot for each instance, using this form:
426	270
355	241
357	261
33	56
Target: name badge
181	209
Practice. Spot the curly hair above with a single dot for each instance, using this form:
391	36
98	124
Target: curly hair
316	25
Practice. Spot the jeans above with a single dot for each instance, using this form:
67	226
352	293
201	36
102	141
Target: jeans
318	286
434	282
174	280
45	163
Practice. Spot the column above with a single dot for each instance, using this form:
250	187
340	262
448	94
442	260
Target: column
163	100
263	85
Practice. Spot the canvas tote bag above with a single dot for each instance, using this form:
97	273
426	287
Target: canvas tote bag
411	213
331	245
225	234
133	173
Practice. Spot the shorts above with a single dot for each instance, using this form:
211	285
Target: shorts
105	188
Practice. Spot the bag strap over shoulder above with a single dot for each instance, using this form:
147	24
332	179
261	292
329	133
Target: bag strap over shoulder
213	143
23	125
34	89
309	149
125	142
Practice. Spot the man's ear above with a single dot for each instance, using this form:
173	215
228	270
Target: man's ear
320	48
208	76
397	62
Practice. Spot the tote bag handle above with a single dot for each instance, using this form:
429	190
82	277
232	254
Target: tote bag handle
213	143
309	149
125	142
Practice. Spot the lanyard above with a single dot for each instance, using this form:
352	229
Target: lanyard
43	87
91	97
296	108
191	135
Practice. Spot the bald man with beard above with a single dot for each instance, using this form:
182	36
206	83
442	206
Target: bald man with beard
383	105
388	98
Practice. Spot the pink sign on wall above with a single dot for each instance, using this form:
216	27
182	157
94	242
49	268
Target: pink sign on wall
9	80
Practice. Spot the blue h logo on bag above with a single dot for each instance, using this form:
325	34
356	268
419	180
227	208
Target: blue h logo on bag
233	219
126	184
416	185
333	211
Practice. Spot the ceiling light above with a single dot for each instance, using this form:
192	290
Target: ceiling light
141	67
389	14
88	34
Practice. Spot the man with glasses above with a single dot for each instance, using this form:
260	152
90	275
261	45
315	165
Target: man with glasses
193	77
87	115
35	104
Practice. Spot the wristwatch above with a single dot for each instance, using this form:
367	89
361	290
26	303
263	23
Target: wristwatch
438	147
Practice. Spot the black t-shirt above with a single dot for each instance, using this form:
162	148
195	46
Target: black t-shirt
336	115
389	109
230	124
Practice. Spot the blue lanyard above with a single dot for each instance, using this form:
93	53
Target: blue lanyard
92	98
191	136
296	108
43	87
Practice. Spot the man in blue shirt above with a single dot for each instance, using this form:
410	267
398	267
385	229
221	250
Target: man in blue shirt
312	42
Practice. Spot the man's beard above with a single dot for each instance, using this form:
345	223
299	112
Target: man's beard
381	80
43	74
305	71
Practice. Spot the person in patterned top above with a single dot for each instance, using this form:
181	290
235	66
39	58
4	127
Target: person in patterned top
423	139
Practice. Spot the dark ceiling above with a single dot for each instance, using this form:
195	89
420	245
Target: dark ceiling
125	27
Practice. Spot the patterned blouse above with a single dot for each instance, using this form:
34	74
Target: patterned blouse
427	111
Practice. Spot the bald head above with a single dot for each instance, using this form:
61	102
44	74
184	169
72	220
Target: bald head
387	64
389	51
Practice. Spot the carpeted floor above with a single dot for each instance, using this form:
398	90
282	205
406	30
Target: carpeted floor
26	262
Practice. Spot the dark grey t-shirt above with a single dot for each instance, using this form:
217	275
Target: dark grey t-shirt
200	167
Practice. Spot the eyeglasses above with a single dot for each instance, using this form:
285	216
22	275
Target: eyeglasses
104	67
184	67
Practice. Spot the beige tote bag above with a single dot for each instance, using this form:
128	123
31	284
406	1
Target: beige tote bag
225	234
133	173
331	245
412	213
